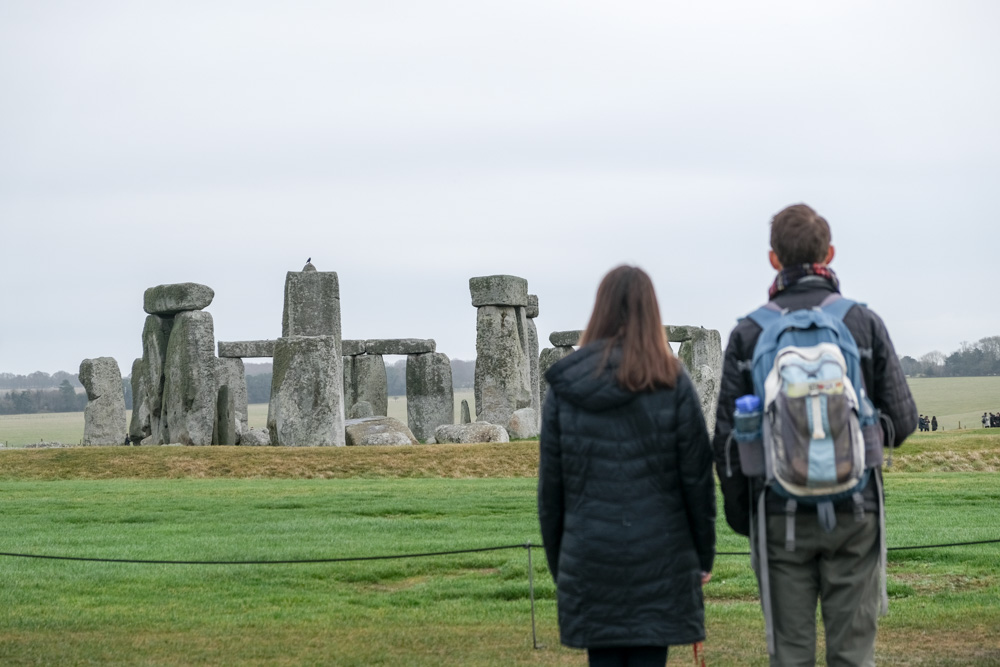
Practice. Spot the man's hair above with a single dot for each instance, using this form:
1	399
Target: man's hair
627	314
799	236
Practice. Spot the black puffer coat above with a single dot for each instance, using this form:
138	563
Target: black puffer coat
626	503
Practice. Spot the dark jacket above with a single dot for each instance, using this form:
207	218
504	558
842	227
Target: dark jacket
883	379
626	503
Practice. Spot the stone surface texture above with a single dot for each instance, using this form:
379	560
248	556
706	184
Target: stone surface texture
225	419
352	347
534	376
377	431
155	335
430	396
679	334
255	437
190	390
139	427
466	417
471	433
531	311
702	355
400	346
503	371
360	410
565	338
104	416
365	380
549	356
246	349
176	298
499	290
306	407
230	373
312	305
523	424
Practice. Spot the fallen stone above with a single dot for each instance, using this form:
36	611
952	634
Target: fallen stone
503	371
565	338
246	349
190	390
360	410
373	431
430	396
471	433
306	407
176	298
312	305
499	290
104	416
352	348
255	437
523	424
400	346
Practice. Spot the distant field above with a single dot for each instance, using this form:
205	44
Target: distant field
954	400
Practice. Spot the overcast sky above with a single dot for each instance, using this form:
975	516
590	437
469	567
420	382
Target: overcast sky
409	146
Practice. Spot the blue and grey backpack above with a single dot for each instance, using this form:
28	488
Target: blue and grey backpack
817	436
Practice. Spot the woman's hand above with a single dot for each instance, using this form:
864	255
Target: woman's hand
705	577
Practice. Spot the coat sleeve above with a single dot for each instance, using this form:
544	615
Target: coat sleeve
695	463
736	382
550	484
892	394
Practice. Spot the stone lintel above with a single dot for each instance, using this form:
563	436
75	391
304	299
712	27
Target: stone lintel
400	346
565	338
352	347
499	290
246	348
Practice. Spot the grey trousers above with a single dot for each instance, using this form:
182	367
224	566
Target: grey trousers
838	568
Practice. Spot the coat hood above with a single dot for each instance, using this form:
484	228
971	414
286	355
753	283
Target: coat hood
581	379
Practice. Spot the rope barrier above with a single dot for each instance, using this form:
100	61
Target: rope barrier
354	559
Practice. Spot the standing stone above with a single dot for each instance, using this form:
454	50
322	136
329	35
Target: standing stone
225	419
702	355
139	427
549	356
503	372
306	407
312	305
365	380
430	396
155	335
104	416
466	414
531	312
471	433
231	374
360	410
177	298
190	391
370	431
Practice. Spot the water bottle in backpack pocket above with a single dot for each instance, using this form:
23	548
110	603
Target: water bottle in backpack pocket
748	432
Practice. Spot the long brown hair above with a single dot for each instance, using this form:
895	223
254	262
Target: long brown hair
626	313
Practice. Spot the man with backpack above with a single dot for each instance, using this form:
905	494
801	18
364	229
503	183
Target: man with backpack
812	384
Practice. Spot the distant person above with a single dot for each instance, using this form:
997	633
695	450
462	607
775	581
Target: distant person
986	423
128	440
934	423
801	554
626	499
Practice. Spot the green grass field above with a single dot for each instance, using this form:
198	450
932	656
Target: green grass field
221	503
957	401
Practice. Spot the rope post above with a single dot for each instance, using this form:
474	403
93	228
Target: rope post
531	594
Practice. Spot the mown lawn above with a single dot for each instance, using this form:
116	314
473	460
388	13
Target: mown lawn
264	503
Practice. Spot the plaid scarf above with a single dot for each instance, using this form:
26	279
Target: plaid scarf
790	275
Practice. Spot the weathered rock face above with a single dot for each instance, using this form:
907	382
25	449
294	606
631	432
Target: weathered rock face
351	347
225	419
255	437
377	431
306	407
231	374
400	346
503	372
565	338
466	414
365	380
430	397
139	427
189	387
155	334
104	416
471	433
549	356
246	349
523	424
173	299
701	352
360	410
534	374
531	312
499	290
312	305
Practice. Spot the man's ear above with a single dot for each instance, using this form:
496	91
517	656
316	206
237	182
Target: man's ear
829	255
773	256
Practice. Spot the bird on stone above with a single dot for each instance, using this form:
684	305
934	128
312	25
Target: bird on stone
308	261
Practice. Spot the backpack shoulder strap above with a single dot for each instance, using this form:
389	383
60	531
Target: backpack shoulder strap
766	314
837	306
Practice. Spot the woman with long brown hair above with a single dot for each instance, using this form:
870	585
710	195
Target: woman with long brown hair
626	498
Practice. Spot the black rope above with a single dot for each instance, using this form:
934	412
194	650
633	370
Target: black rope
352	559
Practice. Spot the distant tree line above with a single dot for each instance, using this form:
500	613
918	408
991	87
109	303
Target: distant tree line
970	360
29	402
37	380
